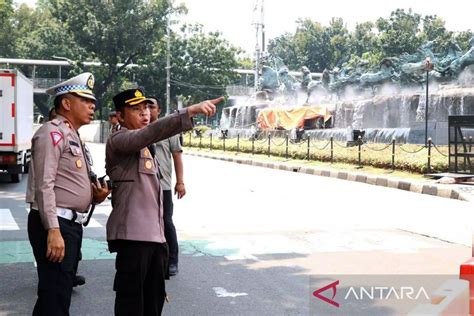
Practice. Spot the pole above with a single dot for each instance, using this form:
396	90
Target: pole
393	153
359	142
307	152
223	141
426	108
168	62
258	16
428	68
269	140
253	146
263	26
332	149
238	143
429	156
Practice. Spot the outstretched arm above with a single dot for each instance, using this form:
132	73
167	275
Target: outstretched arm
163	128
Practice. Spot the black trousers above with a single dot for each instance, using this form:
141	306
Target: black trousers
140	277
54	279
170	230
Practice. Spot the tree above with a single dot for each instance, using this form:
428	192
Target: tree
201	66
284	46
400	33
363	39
463	38
434	29
7	30
112	32
339	41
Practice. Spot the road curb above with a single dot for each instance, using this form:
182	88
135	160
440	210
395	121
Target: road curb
441	190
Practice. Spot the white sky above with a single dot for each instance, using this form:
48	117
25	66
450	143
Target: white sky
234	17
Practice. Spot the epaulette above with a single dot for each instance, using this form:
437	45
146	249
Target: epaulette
56	122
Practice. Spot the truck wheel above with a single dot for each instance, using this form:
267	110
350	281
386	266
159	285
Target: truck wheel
15	178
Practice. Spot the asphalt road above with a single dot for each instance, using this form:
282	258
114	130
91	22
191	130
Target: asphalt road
253	241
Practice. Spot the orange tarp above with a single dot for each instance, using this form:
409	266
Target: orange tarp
278	118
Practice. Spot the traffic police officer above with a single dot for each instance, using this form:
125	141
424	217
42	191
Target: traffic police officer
60	193
135	228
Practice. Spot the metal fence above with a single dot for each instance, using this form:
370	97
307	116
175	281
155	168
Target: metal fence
392	155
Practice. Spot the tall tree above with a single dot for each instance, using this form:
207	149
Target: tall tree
284	46
363	39
400	33
201	66
7	30
112	32
339	41
462	38
434	29
314	45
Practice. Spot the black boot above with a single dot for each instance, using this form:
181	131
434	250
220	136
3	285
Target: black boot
173	269
79	280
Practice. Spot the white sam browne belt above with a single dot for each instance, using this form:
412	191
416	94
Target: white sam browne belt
71	215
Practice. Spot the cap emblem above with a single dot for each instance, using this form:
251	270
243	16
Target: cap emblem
90	82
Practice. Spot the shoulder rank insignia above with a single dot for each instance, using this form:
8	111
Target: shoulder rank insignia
55	122
148	164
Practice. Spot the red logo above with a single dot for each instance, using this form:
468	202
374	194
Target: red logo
331	301
56	137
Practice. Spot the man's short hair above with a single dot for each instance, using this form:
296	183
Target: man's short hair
112	114
58	100
157	102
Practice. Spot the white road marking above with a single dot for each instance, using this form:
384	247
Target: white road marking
103	209
7	222
94	223
221	292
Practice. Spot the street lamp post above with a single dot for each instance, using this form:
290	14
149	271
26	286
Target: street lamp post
428	68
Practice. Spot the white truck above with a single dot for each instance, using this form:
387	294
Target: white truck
16	122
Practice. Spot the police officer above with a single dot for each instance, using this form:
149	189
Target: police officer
60	193
135	228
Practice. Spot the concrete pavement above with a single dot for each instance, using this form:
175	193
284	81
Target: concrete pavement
251	240
452	191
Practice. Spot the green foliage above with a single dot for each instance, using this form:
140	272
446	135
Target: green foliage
462	39
113	33
318	47
201	66
400	33
363	39
133	31
7	33
245	63
434	29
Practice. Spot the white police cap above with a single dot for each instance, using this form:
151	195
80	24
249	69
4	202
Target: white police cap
80	85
